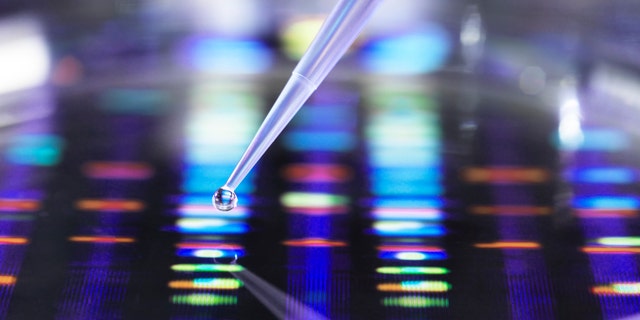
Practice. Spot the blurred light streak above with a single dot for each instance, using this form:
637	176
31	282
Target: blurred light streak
570	126
102	239
213	225
240	18
35	149
206	283
7	240
343	118
235	56
206	268
318	211
421	175
189	200
6	280
9	204
110	205
313	200
210	154
24	55
508	245
618	83
404	99
208	245
415	286
146	102
472	36
418	51
605	175
303	172
202	172
598	213
207	210
193	184
605	140
409	188
409	256
414	126
235	100
238	132
411	138
505	175
414	302
619	241
608	202
396	247
618	288
207	170
412	270
399	158
508	210
413	202
118	170
210	253
416	134
609	250
407	228
204	299
239	129
297	35
626	287
314	242
412	255
388	213
319	141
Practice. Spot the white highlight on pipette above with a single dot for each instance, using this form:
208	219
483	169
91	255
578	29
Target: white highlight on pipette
338	32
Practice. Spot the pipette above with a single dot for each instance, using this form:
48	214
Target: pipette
337	33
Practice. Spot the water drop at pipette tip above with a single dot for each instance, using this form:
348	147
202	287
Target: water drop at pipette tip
225	199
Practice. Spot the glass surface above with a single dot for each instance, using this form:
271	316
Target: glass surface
463	161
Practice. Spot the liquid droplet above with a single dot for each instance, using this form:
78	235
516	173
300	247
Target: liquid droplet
225	199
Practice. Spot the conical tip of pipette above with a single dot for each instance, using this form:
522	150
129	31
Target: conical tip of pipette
224	199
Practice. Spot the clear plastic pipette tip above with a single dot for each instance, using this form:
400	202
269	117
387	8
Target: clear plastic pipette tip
335	36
